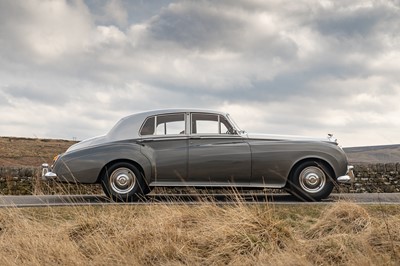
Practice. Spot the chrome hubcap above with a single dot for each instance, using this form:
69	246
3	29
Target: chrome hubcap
312	179
122	180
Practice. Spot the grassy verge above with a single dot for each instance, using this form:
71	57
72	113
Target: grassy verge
337	234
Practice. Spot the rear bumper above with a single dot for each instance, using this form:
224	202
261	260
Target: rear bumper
348	178
47	173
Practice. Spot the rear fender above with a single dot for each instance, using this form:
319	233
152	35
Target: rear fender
85	166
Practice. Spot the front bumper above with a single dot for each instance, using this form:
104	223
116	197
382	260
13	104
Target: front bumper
348	178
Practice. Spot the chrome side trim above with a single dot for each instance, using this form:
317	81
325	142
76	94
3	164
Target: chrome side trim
212	184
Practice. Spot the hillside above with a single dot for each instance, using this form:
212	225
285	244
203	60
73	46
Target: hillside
29	151
33	152
374	154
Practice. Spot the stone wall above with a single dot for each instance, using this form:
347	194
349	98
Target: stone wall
382	178
27	181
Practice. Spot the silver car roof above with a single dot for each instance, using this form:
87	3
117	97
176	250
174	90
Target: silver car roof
128	127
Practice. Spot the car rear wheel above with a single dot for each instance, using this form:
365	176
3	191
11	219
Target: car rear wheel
311	181
123	182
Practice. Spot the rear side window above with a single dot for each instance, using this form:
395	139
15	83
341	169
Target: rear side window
172	124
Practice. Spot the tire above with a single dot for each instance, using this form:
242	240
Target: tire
311	181
123	182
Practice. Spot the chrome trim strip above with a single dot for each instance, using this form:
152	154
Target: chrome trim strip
211	184
171	137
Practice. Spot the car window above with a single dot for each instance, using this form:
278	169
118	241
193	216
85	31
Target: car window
226	127
210	124
172	124
148	127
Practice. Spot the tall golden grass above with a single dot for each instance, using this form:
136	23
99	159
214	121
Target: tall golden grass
205	234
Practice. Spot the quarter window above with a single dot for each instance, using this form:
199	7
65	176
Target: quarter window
148	127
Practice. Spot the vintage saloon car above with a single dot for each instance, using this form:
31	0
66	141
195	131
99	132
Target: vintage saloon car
200	148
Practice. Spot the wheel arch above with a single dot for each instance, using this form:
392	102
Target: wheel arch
109	164
326	166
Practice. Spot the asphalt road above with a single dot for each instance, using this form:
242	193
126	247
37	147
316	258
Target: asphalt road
79	200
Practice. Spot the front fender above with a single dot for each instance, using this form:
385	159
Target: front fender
331	154
273	161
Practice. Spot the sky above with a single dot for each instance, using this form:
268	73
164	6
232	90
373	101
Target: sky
72	69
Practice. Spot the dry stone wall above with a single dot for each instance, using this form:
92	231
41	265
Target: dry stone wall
369	178
381	178
28	181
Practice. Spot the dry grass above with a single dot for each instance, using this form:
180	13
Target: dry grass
207	234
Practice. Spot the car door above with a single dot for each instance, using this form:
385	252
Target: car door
165	142
217	155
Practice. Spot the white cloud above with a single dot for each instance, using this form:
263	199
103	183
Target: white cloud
304	67
43	30
108	35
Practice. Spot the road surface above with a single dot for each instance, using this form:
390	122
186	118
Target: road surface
76	200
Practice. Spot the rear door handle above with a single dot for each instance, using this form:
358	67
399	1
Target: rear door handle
143	141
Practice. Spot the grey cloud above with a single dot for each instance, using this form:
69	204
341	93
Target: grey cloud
42	95
136	10
200	26
196	27
10	33
351	21
300	63
352	30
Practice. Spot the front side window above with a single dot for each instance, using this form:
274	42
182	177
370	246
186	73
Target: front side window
210	124
172	124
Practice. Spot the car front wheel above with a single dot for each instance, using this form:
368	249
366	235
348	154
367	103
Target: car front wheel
123	182
311	181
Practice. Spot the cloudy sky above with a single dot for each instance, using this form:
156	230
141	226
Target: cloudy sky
71	69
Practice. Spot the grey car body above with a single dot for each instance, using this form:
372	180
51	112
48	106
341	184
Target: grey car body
200	148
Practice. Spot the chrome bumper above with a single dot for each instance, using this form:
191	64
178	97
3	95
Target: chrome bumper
348	178
47	174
